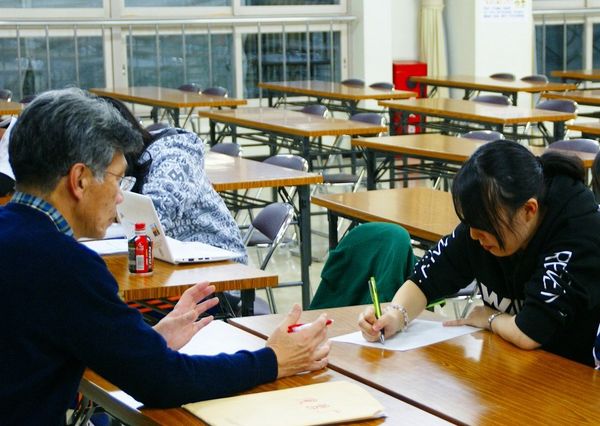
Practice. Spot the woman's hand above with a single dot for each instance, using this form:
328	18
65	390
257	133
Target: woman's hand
478	317
371	327
181	324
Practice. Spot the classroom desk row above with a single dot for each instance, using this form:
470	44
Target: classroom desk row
430	147
102	392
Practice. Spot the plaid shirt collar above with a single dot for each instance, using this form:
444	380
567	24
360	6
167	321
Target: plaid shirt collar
43	206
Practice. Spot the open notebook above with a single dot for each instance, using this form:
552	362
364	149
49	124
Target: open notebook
140	208
319	404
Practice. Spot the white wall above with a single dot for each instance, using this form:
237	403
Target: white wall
478	46
405	29
370	45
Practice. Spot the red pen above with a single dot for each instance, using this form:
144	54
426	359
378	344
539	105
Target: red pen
297	327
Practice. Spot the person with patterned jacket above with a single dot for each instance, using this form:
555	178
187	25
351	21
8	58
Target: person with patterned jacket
170	170
530	236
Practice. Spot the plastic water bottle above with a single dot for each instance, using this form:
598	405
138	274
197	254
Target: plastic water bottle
141	259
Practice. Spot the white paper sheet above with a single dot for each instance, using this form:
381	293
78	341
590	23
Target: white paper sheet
103	247
217	337
418	334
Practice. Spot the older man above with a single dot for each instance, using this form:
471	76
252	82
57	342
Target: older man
63	313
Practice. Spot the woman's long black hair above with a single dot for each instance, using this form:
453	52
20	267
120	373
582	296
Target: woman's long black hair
138	164
500	177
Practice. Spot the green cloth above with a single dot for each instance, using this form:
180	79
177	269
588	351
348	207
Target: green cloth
381	250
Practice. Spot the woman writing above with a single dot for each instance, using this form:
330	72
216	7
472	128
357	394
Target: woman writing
530	236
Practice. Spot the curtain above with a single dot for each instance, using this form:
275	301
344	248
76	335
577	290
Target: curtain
433	40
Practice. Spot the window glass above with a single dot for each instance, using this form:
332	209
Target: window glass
175	70
32	4
554	48
286	2
596	46
63	64
176	3
296	58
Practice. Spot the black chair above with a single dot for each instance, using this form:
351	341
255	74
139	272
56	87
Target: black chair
382	85
580	144
27	99
190	87
316	109
216	91
492	99
272	222
535	78
559	105
5	95
503	76
227	148
484	135
357	82
157	126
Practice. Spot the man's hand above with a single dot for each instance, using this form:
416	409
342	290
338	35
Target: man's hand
181	324
305	350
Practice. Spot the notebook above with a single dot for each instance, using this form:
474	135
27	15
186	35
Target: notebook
318	404
140	208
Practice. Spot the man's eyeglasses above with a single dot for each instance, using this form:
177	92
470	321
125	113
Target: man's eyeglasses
126	183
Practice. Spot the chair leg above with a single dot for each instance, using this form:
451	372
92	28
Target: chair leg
271	300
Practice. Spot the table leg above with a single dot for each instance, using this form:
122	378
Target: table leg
559	131
175	115
248	297
305	242
332	220
370	157
392	128
213	132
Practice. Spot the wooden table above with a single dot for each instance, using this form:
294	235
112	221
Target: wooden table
588	130
102	392
490	115
170	99
509	88
228	173
172	280
577	75
350	96
281	125
436	147
426	214
473	379
10	108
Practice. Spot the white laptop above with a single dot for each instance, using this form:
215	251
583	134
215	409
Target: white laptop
139	208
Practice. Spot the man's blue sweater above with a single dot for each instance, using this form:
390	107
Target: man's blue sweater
61	314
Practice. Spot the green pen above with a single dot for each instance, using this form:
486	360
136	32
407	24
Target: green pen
376	304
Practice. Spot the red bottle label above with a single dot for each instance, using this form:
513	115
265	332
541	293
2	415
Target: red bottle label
141	259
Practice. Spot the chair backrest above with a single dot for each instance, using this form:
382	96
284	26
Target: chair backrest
315	109
357	82
380	250
483	135
189	87
369	117
157	126
382	85
561	105
535	78
493	99
289	161
5	95
581	145
503	76
216	91
227	148
27	99
272	222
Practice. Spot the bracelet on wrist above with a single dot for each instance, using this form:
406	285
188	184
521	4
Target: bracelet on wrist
402	310
492	317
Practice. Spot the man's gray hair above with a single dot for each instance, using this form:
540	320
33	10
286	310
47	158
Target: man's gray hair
63	127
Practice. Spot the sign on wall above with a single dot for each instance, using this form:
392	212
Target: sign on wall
504	10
